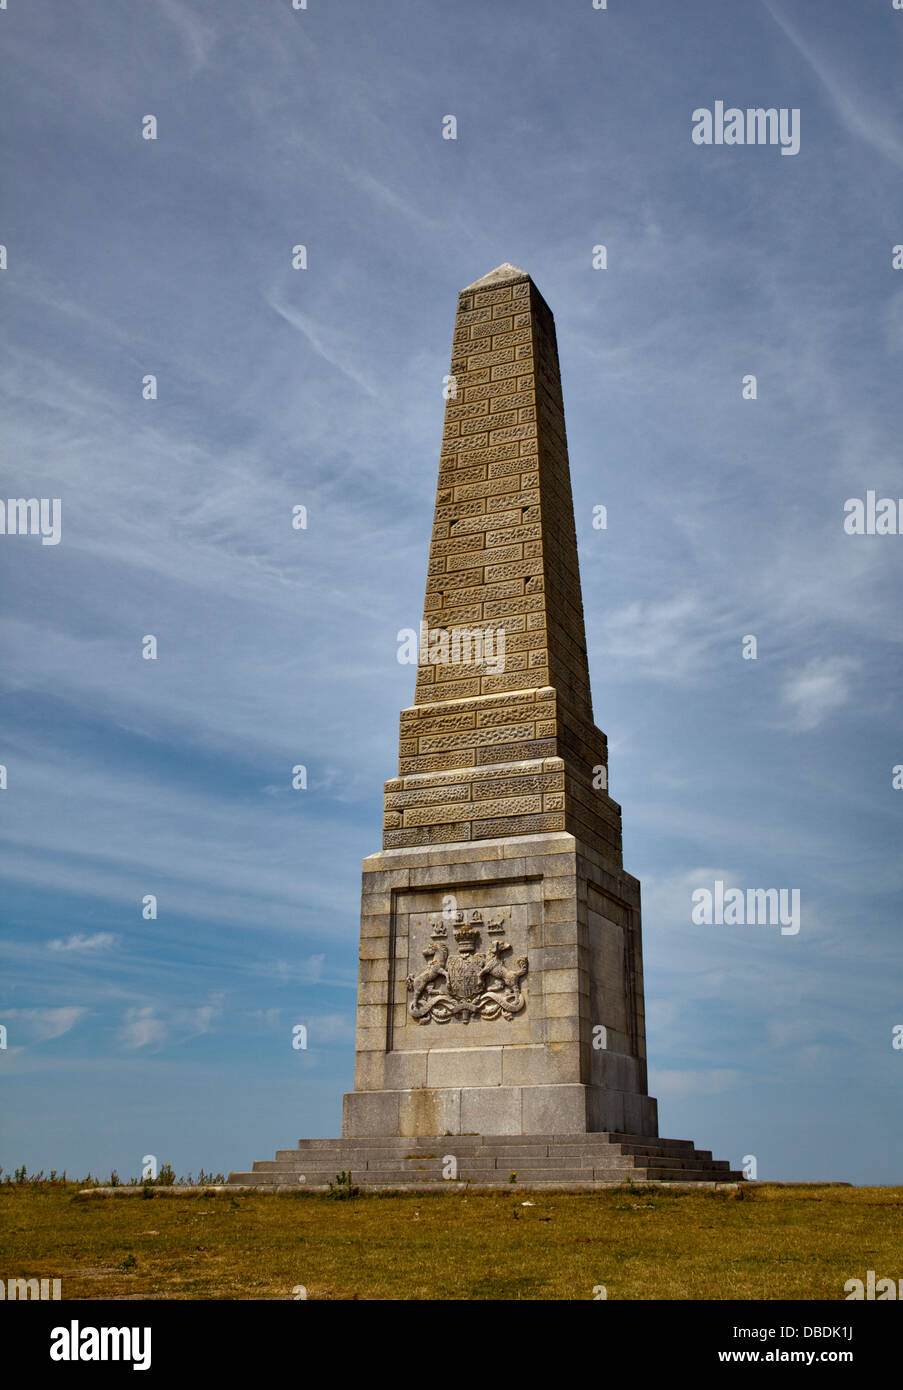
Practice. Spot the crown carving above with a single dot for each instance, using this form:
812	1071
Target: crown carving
467	937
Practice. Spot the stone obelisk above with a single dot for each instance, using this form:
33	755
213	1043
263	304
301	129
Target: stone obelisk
501	975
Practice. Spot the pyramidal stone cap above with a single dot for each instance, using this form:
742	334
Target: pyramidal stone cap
504	274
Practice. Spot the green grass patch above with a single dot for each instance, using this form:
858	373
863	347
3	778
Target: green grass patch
755	1243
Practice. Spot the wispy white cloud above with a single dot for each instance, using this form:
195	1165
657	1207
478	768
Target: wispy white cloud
823	686
250	871
855	105
330	1027
270	1018
201	1019
150	1025
309	969
199	37
99	941
328	342
43	1025
667	639
141	1027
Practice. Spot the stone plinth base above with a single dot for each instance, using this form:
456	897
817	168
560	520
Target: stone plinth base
500	992
521	1110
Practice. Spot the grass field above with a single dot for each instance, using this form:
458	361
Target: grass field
757	1243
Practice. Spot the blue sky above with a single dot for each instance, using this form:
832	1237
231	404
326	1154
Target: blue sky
323	388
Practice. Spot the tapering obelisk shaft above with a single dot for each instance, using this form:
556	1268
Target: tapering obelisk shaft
502	570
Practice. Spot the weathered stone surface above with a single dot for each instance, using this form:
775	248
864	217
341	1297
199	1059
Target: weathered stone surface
500	1006
489	1149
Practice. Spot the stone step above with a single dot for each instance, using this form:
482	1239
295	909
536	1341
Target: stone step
671	1145
486	1165
618	1134
590	1137
364	1150
291	1160
459	1145
652	1146
597	1136
584	1178
393	1144
450	1146
495	1176
685	1156
496	1155
436	1141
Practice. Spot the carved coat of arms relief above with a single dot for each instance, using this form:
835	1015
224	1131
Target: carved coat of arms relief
469	983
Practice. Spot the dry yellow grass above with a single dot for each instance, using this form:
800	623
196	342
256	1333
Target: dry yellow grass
759	1243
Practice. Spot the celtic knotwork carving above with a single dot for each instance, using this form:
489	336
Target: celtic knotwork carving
470	983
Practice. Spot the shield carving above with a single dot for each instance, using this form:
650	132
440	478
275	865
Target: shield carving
464	976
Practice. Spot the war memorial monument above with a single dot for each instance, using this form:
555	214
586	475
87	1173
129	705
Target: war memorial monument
500	1017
